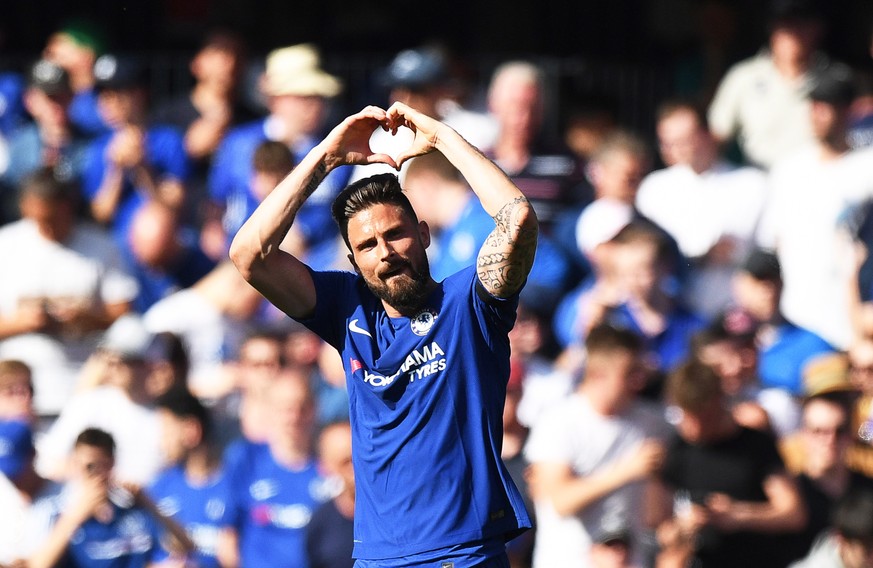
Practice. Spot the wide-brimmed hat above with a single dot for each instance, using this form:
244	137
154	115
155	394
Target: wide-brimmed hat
296	70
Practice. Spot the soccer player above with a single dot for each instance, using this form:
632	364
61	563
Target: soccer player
193	490
426	362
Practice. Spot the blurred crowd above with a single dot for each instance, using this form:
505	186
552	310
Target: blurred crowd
692	369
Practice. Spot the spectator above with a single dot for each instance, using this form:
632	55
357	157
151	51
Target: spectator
135	162
51	140
122	407
258	364
277	486
813	193
762	102
16	392
784	348
461	226
211	107
330	534
592	453
211	318
192	490
163	254
298	92
93	521
19	487
271	162
636	272
728	346
731	495
824	477
67	284
726	200
850	542
75	48
615	170
551	179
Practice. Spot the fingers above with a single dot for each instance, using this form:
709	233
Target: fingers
399	115
382	159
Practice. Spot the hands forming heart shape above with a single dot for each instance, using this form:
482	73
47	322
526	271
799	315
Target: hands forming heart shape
350	141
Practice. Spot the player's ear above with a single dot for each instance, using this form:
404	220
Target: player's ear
424	232
354	264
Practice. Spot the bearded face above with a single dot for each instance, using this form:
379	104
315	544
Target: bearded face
388	250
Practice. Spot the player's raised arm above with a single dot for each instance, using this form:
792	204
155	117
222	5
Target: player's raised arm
505	259
279	276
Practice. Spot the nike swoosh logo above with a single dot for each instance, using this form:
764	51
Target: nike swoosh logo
354	328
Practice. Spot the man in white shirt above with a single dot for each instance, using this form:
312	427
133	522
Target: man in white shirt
762	101
708	205
592	452
122	406
63	285
812	194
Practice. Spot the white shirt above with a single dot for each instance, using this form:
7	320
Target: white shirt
86	268
572	433
722	204
135	429
698	210
768	113
809	198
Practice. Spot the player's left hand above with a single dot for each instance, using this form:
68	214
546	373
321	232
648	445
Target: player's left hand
425	128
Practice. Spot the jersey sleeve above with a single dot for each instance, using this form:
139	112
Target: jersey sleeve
495	314
336	297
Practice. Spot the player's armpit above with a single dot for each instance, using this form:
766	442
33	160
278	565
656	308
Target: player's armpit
507	255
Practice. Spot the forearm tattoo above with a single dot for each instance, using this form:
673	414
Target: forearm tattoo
318	176
505	259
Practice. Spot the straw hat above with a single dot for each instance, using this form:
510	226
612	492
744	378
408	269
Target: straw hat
826	374
296	70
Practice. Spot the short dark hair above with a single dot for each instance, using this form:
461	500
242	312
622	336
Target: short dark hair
44	184
273	157
183	405
644	231
853	518
97	438
693	385
605	338
363	194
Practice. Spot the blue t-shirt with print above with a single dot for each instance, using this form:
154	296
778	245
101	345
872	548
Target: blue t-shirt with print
130	540
202	510
272	505
427	396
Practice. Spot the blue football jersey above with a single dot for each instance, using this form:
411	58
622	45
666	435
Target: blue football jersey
426	404
202	510
129	540
272	505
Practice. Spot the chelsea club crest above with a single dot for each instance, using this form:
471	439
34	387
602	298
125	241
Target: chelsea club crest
423	321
